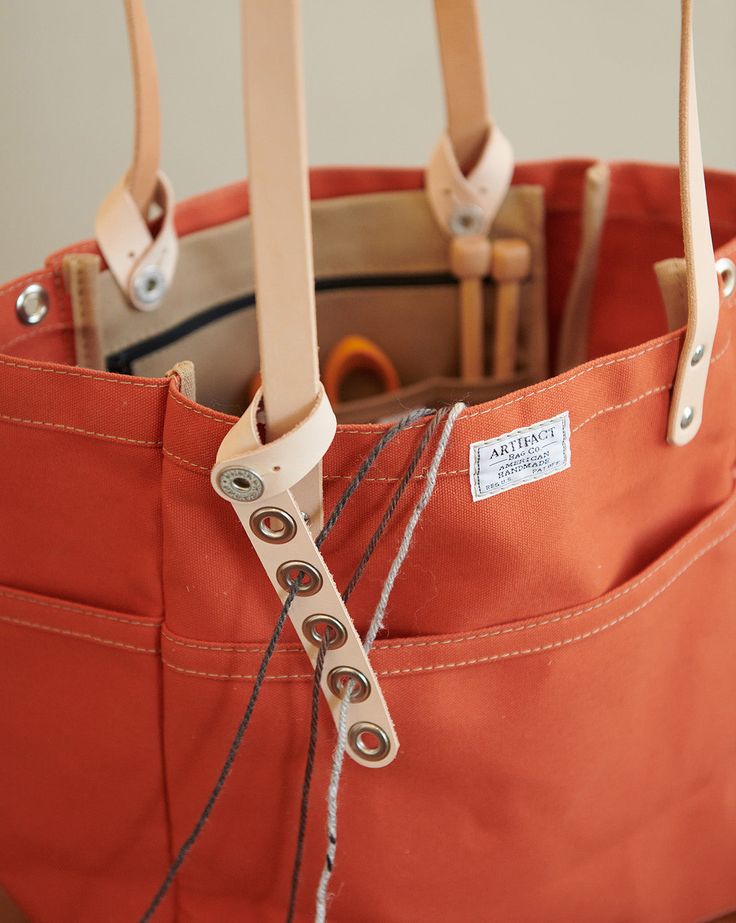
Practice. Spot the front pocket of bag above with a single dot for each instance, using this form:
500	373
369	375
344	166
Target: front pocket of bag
577	765
83	829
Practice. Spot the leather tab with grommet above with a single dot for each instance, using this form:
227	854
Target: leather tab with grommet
258	479
142	264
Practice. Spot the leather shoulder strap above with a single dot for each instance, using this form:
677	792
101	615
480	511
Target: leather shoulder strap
466	97
143	171
464	75
279	195
686	411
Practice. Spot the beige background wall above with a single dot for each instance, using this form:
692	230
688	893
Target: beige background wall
568	77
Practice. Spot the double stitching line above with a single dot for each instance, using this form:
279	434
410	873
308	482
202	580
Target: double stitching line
506	655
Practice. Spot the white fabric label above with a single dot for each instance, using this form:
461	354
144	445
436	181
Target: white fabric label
520	457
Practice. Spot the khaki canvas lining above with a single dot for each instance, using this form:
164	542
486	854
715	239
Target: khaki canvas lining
356	237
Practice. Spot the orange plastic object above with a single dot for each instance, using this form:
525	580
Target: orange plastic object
355	353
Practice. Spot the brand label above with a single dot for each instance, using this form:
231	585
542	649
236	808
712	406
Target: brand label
520	457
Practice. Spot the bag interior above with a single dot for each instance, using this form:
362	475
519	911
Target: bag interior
383	272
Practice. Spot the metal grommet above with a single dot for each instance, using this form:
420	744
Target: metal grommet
726	269
467	219
149	285
32	305
310	583
373	752
240	484
316	626
698	354
262	523
688	415
339	678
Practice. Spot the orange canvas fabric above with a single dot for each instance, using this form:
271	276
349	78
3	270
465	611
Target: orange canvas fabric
558	660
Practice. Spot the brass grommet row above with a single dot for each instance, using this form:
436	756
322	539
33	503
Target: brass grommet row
310	581
273	525
341	678
318	626
373	752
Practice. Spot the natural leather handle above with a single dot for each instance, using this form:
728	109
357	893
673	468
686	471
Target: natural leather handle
143	173
463	69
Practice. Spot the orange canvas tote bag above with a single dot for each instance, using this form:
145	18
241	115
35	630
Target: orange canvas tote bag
467	655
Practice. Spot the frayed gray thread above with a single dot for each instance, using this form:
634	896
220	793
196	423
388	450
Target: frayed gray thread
427	435
429	432
379	615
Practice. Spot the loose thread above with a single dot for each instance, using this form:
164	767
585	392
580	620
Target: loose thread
308	773
370	548
377	621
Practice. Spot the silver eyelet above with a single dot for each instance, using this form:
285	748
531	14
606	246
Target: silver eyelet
262	523
688	415
316	627
357	743
311	580
726	269
149	285
340	678
32	304
697	355
466	219
241	484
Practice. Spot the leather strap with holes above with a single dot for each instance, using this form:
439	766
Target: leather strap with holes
257	479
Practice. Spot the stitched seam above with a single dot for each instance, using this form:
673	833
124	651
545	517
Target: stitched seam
504	655
344	477
185	461
550	387
200	413
36	278
528	626
76	429
68	608
49	328
634	400
232	649
278	676
78	634
113	381
566	641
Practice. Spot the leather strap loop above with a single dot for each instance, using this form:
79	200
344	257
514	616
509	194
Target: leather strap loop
283	463
272	468
143	265
468	204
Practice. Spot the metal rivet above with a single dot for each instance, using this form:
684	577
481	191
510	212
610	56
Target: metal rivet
32	304
688	415
310	582
240	484
371	753
698	354
339	679
149	285
726	269
318	626
262	522
467	219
